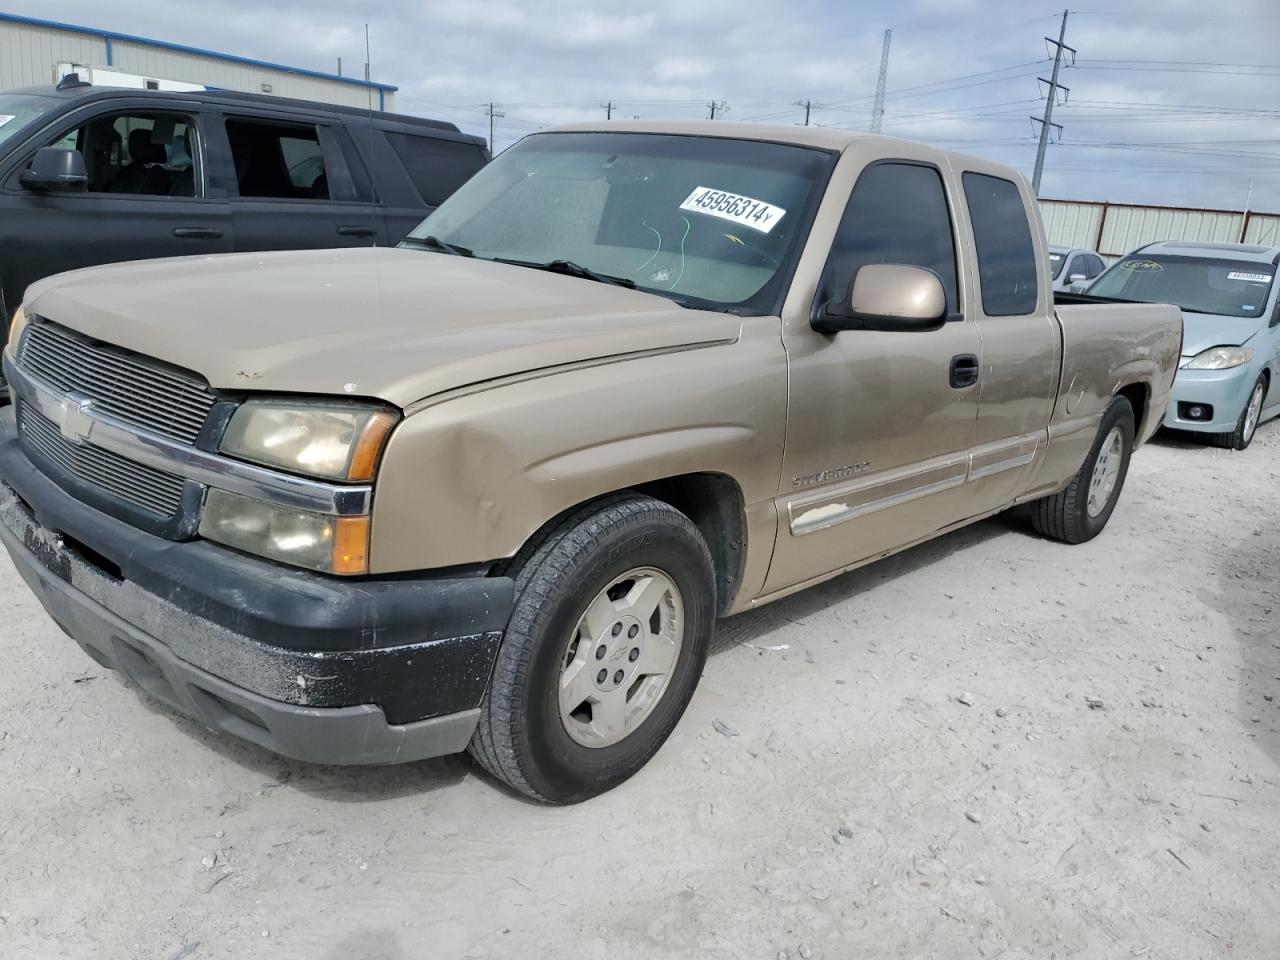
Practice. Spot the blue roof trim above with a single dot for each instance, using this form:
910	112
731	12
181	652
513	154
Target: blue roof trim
110	35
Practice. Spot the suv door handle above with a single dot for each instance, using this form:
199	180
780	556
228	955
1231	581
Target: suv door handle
356	231
964	370
197	233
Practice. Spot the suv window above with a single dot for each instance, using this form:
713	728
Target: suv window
1006	257
897	213
437	167
278	160
141	154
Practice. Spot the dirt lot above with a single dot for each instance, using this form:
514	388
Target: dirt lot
910	761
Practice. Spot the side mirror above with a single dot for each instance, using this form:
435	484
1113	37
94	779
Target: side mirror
888	296
1076	278
54	169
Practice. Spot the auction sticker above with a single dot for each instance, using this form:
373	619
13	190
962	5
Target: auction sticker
746	211
1140	266
5	118
1251	277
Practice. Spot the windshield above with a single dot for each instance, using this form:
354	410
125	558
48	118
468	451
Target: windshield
18	110
705	221
1056	262
1228	288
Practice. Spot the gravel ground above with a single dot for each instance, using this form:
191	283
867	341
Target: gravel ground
989	746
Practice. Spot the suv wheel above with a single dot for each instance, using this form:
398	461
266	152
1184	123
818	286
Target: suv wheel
612	621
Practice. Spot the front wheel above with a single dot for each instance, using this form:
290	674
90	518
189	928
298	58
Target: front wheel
1081	511
612	622
1247	425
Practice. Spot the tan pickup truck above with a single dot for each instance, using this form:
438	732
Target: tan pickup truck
492	490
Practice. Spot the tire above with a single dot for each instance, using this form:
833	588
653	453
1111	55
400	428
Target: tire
525	738
1067	516
1246	427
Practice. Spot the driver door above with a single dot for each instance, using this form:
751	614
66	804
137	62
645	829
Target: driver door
879	423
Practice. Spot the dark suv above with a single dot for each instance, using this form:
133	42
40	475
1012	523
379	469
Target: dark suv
92	175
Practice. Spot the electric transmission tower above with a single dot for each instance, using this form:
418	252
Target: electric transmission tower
877	111
1047	124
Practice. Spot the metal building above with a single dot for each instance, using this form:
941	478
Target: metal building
1114	229
36	52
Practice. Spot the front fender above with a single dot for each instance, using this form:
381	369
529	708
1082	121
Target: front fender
469	479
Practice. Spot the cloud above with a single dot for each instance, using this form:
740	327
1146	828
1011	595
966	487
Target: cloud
552	61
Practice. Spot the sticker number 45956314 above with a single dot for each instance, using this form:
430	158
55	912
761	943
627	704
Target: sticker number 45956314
749	212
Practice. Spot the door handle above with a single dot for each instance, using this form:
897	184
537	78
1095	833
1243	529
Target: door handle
356	231
197	233
964	370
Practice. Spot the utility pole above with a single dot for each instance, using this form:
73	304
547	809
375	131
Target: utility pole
808	105
717	106
877	111
1047	123
339	66
492	111
608	110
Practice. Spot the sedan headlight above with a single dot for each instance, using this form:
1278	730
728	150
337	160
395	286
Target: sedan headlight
326	439
1219	358
301	538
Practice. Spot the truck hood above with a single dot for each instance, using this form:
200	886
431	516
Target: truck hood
399	325
1204	330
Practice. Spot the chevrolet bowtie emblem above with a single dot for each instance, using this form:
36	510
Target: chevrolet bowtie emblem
74	420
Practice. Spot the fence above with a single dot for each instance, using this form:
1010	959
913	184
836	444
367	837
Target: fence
1114	229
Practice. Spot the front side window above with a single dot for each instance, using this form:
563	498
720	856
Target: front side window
284	161
1228	288
1007	268
705	221
138	154
897	213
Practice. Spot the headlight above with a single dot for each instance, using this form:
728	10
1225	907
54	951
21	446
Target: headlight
301	538
326	439
1219	358
16	324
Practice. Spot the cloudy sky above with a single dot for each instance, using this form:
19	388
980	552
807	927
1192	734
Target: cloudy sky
1170	102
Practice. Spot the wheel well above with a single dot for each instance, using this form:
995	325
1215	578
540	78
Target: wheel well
714	503
1136	394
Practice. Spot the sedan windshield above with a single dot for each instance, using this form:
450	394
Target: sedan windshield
19	109
1227	288
707	222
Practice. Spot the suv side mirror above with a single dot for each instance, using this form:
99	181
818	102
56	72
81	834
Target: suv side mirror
1076	278
54	169
888	296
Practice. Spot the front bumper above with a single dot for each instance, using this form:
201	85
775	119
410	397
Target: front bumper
311	667
1226	390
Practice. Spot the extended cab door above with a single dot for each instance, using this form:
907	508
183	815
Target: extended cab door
292	187
1021	344
878	424
148	194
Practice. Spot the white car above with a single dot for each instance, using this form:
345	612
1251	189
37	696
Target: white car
1073	265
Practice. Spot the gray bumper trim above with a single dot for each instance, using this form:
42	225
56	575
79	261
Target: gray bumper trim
338	735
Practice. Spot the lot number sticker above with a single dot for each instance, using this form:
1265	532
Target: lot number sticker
746	211
1251	277
5	118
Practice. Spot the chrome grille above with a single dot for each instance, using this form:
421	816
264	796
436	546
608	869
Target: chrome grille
165	401
142	486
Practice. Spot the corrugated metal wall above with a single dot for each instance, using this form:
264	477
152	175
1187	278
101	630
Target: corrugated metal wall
29	55
1116	229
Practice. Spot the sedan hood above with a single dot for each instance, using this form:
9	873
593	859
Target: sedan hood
399	325
1205	330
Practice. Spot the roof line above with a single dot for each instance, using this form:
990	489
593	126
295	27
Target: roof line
198	51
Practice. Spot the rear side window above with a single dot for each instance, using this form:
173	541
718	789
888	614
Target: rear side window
278	160
897	213
437	167
1006	257
1096	266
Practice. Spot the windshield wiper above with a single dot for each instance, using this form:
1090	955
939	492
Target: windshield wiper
435	243
570	269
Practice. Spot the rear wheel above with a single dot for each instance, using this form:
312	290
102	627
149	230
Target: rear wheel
1081	511
613	616
1247	425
